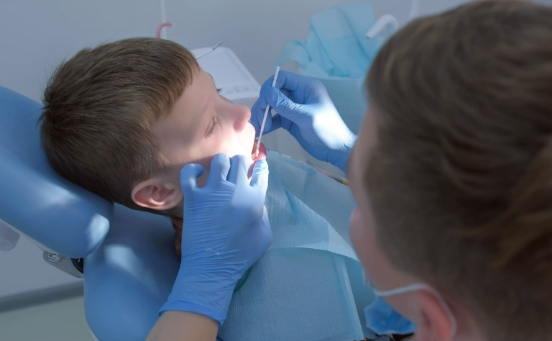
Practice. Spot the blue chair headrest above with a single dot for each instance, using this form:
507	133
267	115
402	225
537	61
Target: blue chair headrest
34	199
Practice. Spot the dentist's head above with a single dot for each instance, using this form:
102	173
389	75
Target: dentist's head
452	173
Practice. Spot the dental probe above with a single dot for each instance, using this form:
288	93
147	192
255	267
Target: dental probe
211	50
266	112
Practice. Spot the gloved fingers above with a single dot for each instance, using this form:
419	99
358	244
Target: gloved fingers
303	89
284	105
287	124
287	93
259	179
278	100
258	111
299	86
295	130
238	169
272	123
287	80
188	178
275	123
220	165
237	163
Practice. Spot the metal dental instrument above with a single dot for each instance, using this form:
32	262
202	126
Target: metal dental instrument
266	112
211	50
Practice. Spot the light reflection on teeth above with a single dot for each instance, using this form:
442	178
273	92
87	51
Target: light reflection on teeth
254	151
260	153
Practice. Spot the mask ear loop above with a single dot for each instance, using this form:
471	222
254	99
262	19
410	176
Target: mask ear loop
414	287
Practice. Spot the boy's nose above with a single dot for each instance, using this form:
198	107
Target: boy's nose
242	115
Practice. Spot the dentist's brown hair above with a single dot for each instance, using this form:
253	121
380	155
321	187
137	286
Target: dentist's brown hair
461	174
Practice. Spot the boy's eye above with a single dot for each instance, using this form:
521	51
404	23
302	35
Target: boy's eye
213	127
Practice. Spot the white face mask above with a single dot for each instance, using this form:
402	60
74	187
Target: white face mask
394	323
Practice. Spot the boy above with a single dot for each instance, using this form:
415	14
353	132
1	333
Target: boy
123	119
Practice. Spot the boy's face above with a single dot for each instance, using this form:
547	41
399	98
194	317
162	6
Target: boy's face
200	125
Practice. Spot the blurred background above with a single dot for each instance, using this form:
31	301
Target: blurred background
37	35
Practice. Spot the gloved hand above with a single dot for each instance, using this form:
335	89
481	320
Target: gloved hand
305	109
225	231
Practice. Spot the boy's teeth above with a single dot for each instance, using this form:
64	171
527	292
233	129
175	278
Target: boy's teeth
254	152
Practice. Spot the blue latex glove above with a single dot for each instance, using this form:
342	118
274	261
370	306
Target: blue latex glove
305	109
225	231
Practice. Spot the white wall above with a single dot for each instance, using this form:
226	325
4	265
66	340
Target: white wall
36	35
258	30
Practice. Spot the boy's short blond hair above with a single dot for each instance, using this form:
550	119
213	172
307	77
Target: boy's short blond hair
100	108
461	174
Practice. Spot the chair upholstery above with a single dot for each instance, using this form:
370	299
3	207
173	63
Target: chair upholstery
34	199
129	277
129	259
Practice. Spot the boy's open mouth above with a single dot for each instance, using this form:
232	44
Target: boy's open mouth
260	154
256	156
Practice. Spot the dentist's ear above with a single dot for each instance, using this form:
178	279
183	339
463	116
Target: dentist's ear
157	194
435	322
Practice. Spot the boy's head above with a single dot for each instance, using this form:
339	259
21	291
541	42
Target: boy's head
122	119
453	172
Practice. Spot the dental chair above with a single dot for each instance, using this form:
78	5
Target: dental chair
126	257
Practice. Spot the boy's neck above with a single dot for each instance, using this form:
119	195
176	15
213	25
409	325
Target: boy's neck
176	212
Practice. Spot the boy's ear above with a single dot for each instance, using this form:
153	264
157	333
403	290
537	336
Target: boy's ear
157	194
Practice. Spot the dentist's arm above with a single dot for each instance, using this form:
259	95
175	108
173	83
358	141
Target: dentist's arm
225	231
185	326
305	110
